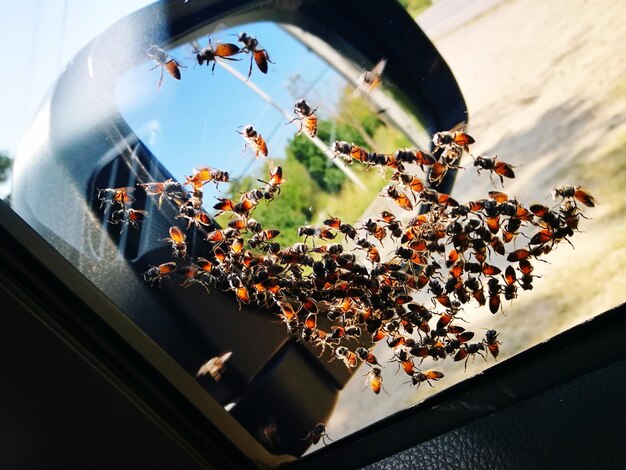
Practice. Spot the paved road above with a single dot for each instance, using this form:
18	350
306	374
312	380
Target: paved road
447	16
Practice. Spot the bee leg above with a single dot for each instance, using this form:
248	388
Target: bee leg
250	69
160	80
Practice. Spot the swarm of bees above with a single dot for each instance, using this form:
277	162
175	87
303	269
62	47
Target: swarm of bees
479	252
210	55
455	252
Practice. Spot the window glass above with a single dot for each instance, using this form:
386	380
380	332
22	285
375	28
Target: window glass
549	106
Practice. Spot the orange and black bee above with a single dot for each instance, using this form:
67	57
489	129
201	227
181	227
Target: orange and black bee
510	286
168	189
492	343
418	157
494	294
367	357
155	274
178	240
375	380
349	152
454	138
260	56
211	54
306	116
128	217
263	236
122	196
318	432
398	197
255	140
575	192
420	377
501	169
162	60
204	174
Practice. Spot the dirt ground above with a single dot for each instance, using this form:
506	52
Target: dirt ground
545	86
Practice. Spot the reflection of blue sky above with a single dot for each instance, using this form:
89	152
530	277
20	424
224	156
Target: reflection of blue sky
194	122
46	34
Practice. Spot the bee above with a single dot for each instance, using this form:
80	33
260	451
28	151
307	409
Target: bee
348	357
349	152
375	380
311	231
576	192
262	237
510	287
318	432
527	277
420	377
255	140
272	187
398	197
178	240
415	156
348	230
260	56
193	216
492	343
109	196
453	138
167	189
204	174
215	366
476	288
502	169
128	217
494	294
155	274
404	360
369	80
224	205
162	60
467	350
372	228
367	356
439	294
211	54
412	182
306	116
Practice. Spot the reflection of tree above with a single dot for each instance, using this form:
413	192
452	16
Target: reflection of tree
320	168
296	204
5	166
415	7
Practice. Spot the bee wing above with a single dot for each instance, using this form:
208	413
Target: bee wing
460	127
261	58
379	67
127	190
582	196
225	357
504	169
226	49
196	47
